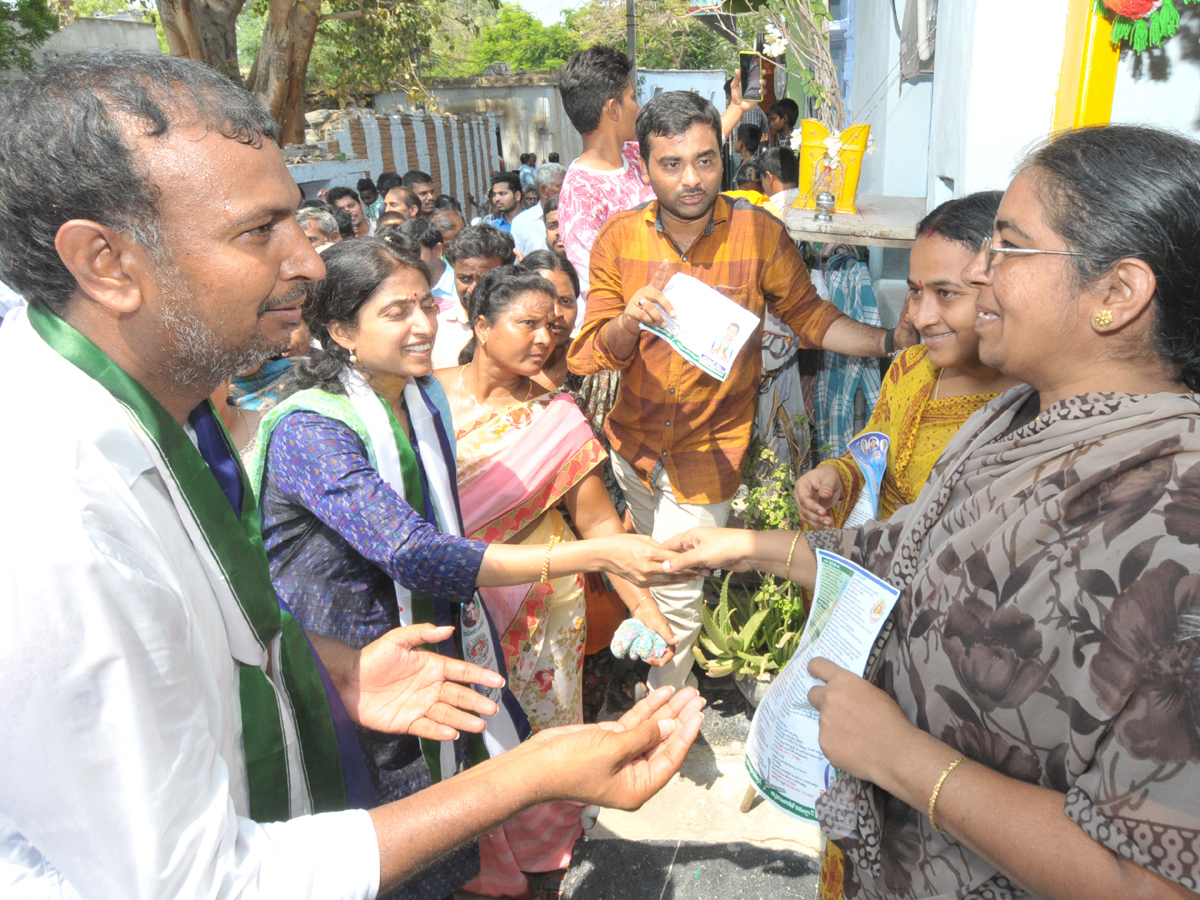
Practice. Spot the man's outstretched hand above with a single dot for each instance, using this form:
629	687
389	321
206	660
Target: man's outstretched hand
391	685
622	764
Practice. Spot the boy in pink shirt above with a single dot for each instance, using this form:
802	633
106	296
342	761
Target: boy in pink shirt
601	102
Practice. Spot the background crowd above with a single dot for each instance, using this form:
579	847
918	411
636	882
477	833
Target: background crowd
471	427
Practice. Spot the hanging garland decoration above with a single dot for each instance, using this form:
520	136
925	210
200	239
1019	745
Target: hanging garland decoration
1141	23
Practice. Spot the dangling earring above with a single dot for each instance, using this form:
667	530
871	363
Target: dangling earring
1102	319
353	357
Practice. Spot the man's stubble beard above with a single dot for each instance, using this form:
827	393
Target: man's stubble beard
196	358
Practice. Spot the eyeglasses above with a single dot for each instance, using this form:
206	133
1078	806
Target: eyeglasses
990	253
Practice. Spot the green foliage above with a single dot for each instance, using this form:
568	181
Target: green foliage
750	633
668	38
24	26
520	39
361	47
360	56
250	24
753	632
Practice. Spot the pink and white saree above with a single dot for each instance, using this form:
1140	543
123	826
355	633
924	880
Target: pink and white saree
514	467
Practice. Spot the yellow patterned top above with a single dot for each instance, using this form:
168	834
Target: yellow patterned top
919	427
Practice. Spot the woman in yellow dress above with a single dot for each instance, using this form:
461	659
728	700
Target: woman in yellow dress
931	388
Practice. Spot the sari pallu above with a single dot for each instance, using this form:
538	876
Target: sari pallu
1049	628
514	467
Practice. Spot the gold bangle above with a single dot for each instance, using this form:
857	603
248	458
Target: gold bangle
546	562
787	569
937	789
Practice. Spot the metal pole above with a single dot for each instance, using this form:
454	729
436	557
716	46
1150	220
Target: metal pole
631	41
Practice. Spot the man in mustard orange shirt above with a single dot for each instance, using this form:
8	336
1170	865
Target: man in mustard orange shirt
679	435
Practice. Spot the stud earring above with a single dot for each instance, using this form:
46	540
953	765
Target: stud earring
353	358
1102	319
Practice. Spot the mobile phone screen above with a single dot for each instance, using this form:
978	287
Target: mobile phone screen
751	65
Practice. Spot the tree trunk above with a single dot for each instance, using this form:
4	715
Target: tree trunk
205	30
278	76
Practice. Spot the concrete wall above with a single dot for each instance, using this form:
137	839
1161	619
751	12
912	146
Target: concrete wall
526	106
100	34
900	129
899	116
992	98
708	83
995	87
1163	88
458	153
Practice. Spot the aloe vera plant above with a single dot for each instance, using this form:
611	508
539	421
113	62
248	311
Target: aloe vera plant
750	633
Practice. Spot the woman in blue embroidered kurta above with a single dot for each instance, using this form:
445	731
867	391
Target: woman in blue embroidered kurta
343	544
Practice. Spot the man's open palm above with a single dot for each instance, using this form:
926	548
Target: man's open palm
401	689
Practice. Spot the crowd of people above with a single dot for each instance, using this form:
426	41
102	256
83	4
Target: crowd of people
303	581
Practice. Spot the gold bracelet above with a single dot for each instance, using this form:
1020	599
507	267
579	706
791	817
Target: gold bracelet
937	789
546	562
787	569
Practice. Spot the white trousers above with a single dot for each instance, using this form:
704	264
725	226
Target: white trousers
657	513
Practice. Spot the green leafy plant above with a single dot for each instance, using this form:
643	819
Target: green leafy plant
752	633
754	628
24	26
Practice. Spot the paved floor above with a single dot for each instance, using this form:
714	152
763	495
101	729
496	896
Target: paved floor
690	842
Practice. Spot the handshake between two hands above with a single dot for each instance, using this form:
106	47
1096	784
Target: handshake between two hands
687	556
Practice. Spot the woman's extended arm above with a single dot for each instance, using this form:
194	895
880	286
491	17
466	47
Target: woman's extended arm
1020	828
632	556
743	550
322	465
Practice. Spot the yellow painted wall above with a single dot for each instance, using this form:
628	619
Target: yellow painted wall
1089	70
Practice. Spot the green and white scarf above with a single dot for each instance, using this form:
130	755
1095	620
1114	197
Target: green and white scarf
287	708
391	453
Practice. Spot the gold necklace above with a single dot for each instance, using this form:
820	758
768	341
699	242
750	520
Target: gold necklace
938	384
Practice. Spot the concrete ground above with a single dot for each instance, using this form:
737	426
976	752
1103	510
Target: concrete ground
690	841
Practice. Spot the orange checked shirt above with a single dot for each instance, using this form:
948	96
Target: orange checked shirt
668	410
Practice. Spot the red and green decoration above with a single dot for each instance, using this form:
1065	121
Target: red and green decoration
1141	23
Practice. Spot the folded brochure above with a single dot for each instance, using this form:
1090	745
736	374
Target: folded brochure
708	329
783	755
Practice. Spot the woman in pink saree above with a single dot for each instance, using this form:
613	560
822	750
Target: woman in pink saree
522	453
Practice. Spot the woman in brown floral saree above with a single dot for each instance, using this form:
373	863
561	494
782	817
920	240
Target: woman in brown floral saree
1048	628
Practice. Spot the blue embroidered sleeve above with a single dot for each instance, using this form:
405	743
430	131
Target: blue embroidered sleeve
323	466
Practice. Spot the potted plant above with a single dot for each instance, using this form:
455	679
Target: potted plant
755	626
751	634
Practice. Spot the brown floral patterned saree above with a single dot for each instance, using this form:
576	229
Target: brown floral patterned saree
1049	627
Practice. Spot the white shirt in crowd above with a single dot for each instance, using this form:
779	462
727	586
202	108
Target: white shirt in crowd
9	300
785	198
453	332
124	774
529	230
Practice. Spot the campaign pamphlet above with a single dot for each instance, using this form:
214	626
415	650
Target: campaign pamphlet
870	451
708	329
783	755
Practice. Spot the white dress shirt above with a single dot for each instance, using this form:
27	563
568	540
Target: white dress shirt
123	771
452	334
529	230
